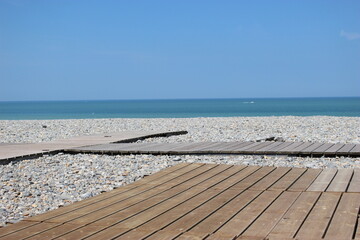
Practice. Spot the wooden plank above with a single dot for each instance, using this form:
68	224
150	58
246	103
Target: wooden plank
133	234
163	235
254	148
108	233
295	216
291	147
234	145
167	174
253	178
310	148
302	183
332	150
184	147
265	149
343	223
189	149
174	146
357	231
80	233
200	178
321	150
233	150
221	237
277	149
114	148
271	145
163	147
270	179
30	231
211	148
199	146
345	149
56	232
195	208
150	147
355	151
298	149
16	227
142	148
158	149
190	236
203	148
218	147
341	181
213	213
285	182
243	219
242	148
317	221
228	174
177	145
323	180
355	181
209	217
236	178
272	215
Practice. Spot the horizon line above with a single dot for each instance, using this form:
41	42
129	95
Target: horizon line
171	99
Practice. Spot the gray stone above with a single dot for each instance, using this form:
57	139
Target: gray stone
65	196
86	195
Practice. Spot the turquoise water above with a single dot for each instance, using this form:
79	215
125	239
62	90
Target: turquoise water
180	108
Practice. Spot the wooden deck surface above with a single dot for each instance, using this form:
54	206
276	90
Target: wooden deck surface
9	152
208	201
268	148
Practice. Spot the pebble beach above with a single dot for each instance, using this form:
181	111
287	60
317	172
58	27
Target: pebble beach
31	187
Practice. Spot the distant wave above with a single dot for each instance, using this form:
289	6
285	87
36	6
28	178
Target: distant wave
249	102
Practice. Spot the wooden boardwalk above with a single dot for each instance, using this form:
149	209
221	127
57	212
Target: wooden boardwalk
268	148
10	152
208	201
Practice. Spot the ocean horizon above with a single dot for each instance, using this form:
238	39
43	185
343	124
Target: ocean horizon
179	108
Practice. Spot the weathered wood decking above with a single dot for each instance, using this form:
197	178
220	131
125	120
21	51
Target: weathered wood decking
208	201
268	148
9	152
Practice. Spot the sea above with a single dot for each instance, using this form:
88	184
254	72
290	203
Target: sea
180	108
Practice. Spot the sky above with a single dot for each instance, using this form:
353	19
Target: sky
94	50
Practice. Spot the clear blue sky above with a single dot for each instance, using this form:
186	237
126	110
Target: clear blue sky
81	50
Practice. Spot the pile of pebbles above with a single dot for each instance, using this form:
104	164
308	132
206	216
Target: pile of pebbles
31	187
289	128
